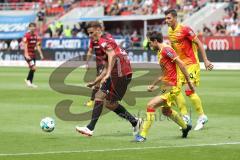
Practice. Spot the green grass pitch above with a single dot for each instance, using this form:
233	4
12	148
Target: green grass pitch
22	108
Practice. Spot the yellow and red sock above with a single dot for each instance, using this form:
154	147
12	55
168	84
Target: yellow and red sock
148	121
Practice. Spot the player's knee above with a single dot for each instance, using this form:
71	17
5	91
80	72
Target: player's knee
111	105
188	92
33	68
167	111
151	104
99	96
96	88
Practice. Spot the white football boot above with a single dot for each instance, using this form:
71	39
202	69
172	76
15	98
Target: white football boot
84	131
200	122
136	129
33	85
186	118
28	83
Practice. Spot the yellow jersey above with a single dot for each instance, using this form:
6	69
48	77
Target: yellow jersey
182	42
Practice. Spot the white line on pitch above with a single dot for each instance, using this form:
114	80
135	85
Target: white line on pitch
118	149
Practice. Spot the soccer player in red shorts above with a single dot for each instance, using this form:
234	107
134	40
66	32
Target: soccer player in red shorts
114	80
31	41
94	48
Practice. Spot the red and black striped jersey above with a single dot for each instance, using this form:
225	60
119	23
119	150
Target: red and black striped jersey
31	39
122	66
100	55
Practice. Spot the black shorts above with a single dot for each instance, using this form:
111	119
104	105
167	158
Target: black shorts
100	68
31	62
116	87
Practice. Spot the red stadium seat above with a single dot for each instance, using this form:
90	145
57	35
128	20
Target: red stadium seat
87	3
125	13
54	11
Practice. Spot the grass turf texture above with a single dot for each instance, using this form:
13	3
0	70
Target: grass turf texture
22	109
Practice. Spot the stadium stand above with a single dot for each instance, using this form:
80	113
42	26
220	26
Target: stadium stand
229	24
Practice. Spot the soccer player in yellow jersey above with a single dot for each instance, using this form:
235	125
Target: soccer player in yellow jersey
185	42
168	60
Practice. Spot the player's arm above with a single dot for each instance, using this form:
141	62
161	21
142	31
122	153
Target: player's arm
39	50
207	63
98	78
26	55
89	56
183	69
110	64
111	60
103	74
154	83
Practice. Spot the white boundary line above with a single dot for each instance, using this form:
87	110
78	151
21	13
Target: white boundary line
118	149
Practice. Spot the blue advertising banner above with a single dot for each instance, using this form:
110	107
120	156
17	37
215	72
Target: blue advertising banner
14	27
65	43
70	43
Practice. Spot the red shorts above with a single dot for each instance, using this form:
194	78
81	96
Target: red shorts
116	87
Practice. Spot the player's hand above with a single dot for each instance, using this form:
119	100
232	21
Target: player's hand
104	79
91	84
151	88
208	65
191	87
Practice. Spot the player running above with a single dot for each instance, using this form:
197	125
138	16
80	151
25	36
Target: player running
113	80
94	48
185	42
168	61
31	41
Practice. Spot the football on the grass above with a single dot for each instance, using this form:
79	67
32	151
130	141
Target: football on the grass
47	124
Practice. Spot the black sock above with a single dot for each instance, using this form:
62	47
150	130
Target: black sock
122	112
97	110
94	91
30	75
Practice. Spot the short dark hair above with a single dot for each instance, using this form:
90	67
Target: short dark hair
94	24
32	24
173	12
155	36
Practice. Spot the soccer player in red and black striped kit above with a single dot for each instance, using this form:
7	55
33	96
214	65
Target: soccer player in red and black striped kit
31	41
113	80
94	48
